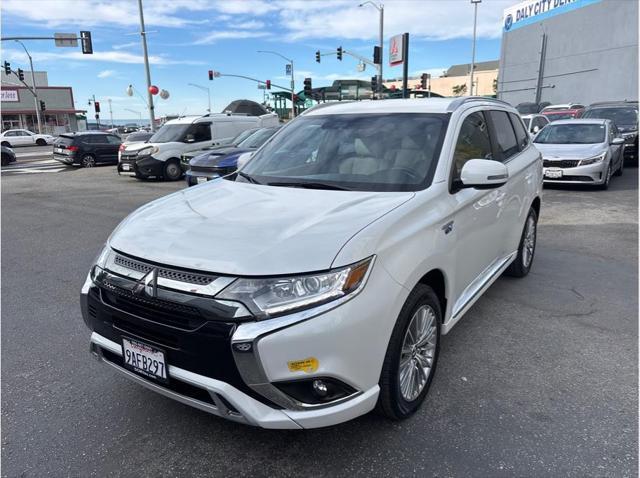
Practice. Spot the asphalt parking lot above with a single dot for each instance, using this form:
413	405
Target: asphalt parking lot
539	379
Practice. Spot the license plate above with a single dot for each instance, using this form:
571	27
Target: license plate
59	150
144	359
126	167
201	179
553	173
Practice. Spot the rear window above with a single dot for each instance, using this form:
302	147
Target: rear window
64	140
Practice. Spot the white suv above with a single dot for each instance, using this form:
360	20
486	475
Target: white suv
317	282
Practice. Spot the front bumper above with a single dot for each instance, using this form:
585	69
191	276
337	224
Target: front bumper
235	377
145	167
589	174
194	178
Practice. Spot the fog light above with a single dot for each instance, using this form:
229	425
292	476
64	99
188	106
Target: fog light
320	388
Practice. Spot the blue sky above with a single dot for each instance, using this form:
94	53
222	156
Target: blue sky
188	37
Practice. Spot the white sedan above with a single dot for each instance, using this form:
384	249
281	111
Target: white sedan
24	137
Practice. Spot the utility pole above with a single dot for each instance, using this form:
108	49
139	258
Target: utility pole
473	47
203	88
143	35
380	9
33	86
110	112
293	92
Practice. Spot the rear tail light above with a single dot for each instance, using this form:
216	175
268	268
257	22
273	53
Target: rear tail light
122	147
72	148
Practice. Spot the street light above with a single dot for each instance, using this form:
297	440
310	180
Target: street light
136	112
293	104
203	88
473	48
380	8
35	92
143	36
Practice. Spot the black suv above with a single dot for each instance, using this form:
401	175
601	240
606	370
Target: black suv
86	148
625	115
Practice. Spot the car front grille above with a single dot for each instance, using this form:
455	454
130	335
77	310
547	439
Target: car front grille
173	274
562	163
585	179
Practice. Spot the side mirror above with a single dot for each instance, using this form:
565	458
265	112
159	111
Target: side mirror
536	129
483	174
617	141
189	138
244	159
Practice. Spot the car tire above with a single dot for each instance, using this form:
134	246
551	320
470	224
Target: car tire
6	143
88	161
41	142
605	185
404	380
5	159
521	265
172	170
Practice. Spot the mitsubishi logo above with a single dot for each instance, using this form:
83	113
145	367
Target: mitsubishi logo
148	285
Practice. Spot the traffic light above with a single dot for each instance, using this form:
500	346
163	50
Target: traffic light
339	53
210	74
20	74
42	106
318	56
307	87
376	55
374	84
423	80
268	83
87	44
96	106
7	68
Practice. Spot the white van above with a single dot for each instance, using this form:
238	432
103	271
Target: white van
160	156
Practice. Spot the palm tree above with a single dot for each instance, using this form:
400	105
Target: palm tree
459	90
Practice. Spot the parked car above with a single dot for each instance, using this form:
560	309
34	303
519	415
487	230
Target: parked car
160	156
86	148
224	160
565	111
317	282
24	137
562	107
584	151
535	122
528	108
187	157
134	138
625	115
8	156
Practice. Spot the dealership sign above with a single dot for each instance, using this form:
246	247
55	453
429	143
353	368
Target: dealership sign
396	50
531	11
9	96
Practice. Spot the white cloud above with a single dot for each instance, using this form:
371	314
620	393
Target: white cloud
104	56
248	25
122	46
107	73
229	35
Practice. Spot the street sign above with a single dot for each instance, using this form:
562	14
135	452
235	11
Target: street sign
216	74
262	87
66	39
288	69
361	67
396	50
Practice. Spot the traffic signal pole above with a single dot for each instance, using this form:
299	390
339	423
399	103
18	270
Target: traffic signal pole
34	91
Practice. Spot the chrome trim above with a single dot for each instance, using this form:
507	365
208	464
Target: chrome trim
250	365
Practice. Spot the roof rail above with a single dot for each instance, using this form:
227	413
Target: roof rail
457	103
614	102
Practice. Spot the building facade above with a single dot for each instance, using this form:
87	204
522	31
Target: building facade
563	51
18	108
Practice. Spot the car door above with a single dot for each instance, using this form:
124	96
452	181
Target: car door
114	146
23	138
524	166
101	148
616	149
197	137
474	220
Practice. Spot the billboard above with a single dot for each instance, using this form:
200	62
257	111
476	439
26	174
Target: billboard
396	50
9	96
531	11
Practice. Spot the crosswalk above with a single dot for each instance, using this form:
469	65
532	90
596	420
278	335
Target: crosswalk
38	166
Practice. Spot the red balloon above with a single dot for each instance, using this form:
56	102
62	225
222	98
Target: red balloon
153	89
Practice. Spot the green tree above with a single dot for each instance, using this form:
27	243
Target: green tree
459	90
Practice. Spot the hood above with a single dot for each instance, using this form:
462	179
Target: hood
165	146
250	230
570	151
216	158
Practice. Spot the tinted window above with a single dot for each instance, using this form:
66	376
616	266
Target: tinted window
473	142
258	138
367	152
244	135
99	139
113	140
200	132
521	134
507	143
527	122
620	116
572	133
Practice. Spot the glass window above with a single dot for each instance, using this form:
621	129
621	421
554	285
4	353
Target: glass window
258	138
200	132
624	116
113	139
527	122
507	142
473	142
521	133
367	152
169	132
572	133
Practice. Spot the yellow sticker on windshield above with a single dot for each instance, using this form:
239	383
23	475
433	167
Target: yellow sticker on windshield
305	365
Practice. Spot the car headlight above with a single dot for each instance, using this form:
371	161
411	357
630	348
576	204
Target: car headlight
100	262
629	135
267	297
595	159
148	151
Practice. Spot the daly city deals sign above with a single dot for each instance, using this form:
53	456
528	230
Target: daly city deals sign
531	11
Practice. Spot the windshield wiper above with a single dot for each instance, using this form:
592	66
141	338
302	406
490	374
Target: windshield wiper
251	179
310	185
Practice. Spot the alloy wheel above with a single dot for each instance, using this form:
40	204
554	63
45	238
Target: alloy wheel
417	353
88	161
529	242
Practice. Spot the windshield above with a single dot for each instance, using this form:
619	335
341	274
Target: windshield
527	122
371	152
572	134
258	138
138	137
169	132
242	136
620	116
560	116
527	108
